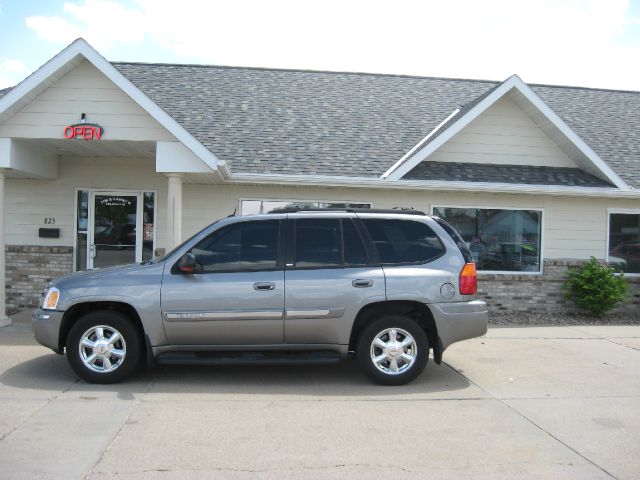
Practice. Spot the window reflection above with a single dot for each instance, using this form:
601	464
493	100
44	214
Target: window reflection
499	240
624	242
252	207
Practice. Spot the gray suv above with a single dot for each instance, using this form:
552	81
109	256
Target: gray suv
288	287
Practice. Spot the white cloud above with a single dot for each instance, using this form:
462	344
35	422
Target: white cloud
12	71
583	42
104	23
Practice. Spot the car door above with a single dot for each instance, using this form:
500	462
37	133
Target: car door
236	295
329	276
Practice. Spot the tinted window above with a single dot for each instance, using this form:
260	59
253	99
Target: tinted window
624	242
404	241
241	246
318	242
328	242
354	251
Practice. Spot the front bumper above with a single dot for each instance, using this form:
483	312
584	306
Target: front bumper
46	328
460	320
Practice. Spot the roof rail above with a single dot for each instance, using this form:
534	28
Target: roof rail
404	211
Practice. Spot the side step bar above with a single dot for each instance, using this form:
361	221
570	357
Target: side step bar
248	358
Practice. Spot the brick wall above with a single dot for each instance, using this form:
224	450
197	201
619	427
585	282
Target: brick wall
540	293
28	270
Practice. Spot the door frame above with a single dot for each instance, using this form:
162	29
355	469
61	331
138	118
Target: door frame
92	192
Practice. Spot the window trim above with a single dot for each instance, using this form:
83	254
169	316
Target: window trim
265	199
624	211
494	207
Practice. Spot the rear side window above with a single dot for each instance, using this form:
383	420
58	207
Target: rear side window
455	236
328	242
404	241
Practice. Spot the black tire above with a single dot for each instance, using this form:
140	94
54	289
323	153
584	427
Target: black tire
131	344
399	323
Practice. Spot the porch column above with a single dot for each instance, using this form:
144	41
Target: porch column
4	320
174	210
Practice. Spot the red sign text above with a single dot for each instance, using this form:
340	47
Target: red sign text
83	131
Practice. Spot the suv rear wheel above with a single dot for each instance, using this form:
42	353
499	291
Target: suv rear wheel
393	350
103	347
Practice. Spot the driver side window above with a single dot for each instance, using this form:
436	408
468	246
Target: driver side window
241	246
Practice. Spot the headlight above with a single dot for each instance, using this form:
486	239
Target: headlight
50	300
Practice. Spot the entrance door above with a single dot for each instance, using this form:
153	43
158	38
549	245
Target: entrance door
115	233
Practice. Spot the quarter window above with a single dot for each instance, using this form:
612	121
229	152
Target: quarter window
624	242
499	240
241	246
404	241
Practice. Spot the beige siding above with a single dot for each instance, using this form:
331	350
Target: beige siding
503	134
84	90
28	202
573	227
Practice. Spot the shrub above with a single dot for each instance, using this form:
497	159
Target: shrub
595	287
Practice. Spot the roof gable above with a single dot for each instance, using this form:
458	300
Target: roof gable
70	58
84	90
574	151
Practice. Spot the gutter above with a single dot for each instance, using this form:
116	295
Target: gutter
428	185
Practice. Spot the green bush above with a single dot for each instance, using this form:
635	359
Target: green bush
595	287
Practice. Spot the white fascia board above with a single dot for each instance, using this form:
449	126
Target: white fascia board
421	142
512	82
453	129
386	184
572	136
80	48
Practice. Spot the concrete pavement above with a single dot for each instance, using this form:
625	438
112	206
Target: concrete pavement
558	402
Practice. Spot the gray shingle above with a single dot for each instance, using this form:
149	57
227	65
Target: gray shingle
520	174
349	124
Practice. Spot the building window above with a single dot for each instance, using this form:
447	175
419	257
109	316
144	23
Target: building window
624	242
251	207
499	240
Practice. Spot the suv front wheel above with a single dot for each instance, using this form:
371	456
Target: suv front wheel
393	350
103	347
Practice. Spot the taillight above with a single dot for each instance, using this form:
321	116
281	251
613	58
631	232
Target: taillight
468	279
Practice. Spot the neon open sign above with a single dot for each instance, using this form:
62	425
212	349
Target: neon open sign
83	131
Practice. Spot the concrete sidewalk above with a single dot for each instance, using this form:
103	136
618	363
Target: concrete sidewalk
557	402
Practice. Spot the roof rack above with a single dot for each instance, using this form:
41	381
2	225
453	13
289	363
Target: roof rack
403	211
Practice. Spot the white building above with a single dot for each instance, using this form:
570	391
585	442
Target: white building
106	163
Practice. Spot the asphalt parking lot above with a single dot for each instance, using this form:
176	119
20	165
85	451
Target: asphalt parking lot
557	402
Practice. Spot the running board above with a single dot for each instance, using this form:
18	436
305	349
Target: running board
249	358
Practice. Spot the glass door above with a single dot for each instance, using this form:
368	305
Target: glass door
115	229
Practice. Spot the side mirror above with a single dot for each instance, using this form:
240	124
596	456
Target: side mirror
187	263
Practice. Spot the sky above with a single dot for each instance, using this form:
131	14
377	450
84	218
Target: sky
593	43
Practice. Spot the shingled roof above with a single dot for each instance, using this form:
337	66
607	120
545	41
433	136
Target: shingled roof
355	124
351	124
519	174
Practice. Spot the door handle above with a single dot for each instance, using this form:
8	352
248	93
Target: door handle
362	283
264	286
